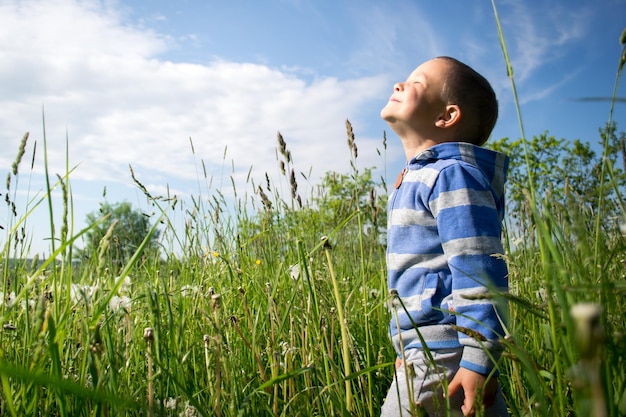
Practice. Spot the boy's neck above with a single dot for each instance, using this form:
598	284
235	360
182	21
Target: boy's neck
413	146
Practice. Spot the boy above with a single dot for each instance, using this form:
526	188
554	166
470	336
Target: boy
444	238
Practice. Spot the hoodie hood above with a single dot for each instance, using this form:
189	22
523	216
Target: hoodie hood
494	165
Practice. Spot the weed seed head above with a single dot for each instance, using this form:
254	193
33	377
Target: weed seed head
294	272
589	335
216	301
9	326
148	334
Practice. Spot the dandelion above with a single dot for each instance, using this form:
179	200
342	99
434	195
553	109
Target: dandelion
394	301
258	262
294	272
83	293
30	304
188	290
126	284
121	304
170	403
189	411
9	326
8	299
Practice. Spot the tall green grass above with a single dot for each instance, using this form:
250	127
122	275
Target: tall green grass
274	303
566	341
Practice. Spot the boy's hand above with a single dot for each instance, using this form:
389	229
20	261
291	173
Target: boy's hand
473	384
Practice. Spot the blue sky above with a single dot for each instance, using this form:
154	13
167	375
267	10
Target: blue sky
129	82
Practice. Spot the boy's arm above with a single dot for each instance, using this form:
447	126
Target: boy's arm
470	230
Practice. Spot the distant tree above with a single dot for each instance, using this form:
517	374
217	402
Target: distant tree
130	229
565	173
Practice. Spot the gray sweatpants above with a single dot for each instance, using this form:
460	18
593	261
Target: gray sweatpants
426	382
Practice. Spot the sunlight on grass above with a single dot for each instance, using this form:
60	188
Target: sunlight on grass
278	303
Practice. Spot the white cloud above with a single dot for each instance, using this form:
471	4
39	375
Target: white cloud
393	39
100	79
538	34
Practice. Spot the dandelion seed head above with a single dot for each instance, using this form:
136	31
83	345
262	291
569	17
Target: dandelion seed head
120	304
170	403
188	290
8	299
189	411
294	272
9	326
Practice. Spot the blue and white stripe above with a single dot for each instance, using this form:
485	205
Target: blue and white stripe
444	238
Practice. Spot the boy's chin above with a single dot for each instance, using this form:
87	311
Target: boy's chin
387	115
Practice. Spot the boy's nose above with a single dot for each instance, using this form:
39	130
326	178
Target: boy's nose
398	86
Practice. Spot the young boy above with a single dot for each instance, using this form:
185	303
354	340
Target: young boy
444	242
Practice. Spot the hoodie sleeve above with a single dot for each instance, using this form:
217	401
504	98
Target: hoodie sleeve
470	230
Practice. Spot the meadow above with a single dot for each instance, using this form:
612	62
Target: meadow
276	304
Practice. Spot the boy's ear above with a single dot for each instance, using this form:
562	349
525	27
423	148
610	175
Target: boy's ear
449	117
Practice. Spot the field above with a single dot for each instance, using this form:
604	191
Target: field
278	304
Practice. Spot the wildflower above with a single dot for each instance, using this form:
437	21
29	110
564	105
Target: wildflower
125	287
258	262
374	293
216	254
188	290
30	304
83	293
294	272
9	326
170	403
189	411
9	299
122	304
394	301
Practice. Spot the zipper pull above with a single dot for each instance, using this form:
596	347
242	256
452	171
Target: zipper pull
399	180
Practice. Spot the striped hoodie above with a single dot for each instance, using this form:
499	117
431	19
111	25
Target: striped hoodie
444	228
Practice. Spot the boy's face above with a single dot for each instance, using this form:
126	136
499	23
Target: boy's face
416	103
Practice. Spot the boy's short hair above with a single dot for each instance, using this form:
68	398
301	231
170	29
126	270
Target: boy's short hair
475	97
